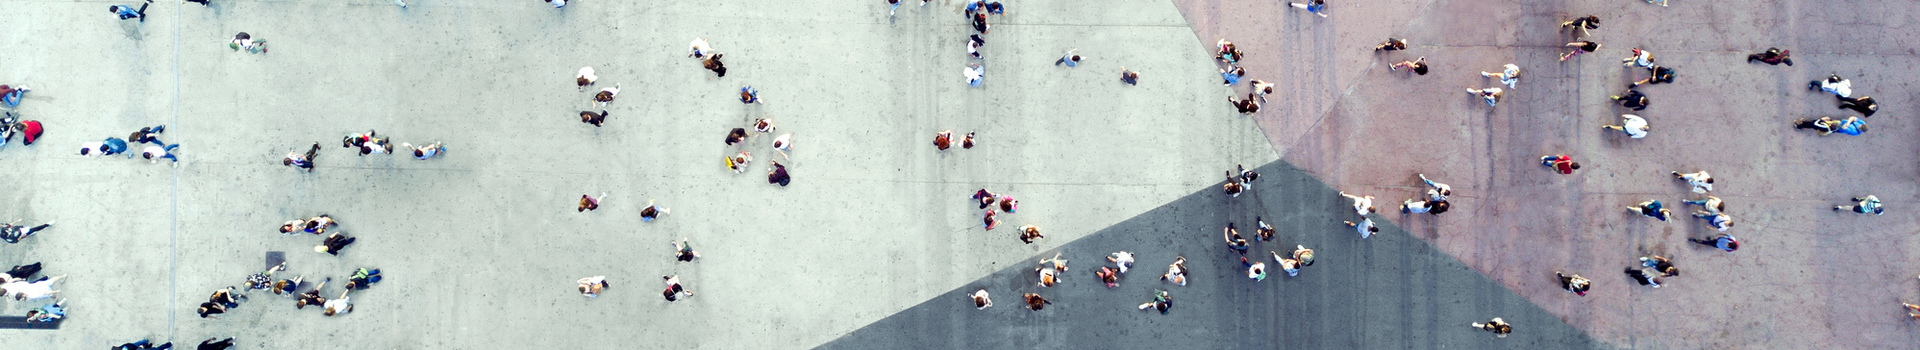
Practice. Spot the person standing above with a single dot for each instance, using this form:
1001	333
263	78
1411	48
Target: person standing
1130	77
1029	233
596	119
1256	270
778	175
981	301
1864	205
606	95
683	250
1035	302
591	286
1177	271
584	78
244	41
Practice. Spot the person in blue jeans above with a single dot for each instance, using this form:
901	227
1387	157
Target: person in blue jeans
11	95
1232	74
1070	59
127	12
363	278
1318	7
152	153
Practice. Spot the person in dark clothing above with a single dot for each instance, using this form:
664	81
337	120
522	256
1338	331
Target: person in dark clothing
778	175
1245	106
127	12
1129	77
302	160
334	243
1391	45
1035	302
1633	100
1661	75
1661	264
143	344
1773	56
1582	23
363	278
593	118
14	233
736	136
21	272
207	309
1722	242
146	135
712	63
1863	104
980	22
1652	209
1641	276
209	344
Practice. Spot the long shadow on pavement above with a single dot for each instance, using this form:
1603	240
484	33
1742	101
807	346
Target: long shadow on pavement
1391	291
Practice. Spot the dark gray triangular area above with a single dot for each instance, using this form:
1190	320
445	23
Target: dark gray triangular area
1392	291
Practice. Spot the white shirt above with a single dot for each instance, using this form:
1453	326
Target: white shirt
973	73
587	72
1415	207
1844	88
700	48
155	152
1635	126
1124	259
339	306
558	3
1360	205
1700	184
41	290
94	148
1365	227
784	142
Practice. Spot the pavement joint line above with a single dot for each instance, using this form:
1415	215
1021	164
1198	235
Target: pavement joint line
173	227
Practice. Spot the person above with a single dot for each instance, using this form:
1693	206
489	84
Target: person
674	290
557	3
591	286
38	289
739	162
1436	191
48	313
1256	270
1029	233
1710	205
14	233
1773	56
1161	301
748	95
1303	255
984	197
127	12
1231	74
424	152
992	7
1418	66
1632	125
319	224
1719	221
943	140
1509	76
967	141
1424	205
1071	59
1583	24
302	160
1913	311
154	152
1109	276
1701	181
1579	47
146	135
606	95
974	73
713	63
1008	204
1561	163
311	297
363	278
1864	105
683	250
1233	186
1576	284
980	23
779	174
1652	209
1492	95
782	144
1361	205
596	119
1645	279
334	243
24	272
1246	106
590	203
1261	88
1177	271
1391	45
244	41
973	45
110	146
1365	226
1035	302
584	78
1122	259
1661	264
1633	99
223	344
208	309
1657	75
1499	327
1050	270
142	345
1827	125
763	125
1640	58
287	287
1129	77
1864	205
1833	84
10	95
980	299
1227	52
737	135
651	211
338	306
1234	241
1264	232
226	297
1722	242
701	48
1318	7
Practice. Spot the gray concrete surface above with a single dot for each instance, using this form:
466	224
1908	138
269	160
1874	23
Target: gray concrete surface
477	246
1391	291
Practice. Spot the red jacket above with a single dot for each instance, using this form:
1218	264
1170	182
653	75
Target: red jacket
33	130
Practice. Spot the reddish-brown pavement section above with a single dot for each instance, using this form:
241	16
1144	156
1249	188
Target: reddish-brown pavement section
1807	277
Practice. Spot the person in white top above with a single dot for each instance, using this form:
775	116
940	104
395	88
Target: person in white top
1833	84
1436	191
974	73
1634	126
1640	58
980	299
558	3
585	78
783	144
763	125
1510	76
1361	205
154	153
1050	270
1702	182
424	152
1365	226
700	49
1123	259
339	305
1177	272
591	286
606	95
23	290
1261	88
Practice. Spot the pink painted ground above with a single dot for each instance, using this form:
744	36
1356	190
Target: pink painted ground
1807	277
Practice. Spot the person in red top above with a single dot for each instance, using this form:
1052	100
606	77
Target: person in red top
1561	163
31	128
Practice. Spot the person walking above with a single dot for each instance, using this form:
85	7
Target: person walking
1391	44
1579	47
127	12
1232	74
1234	241
651	211
778	175
1418	66
1071	59
1029	233
223	344
943	140
606	95
1833	84
1362	205
1582	24
1510	76
1701	181
584	78
246	42
153	153
1122	259
1718	220
1318	7
1853	126
1499	327
1128	76
590	203
1561	163
1722	242
1492	95
1288	264
1641	276
1657	75
1773	56
334	243
1247	106
1035	302
1262	232
596	119
1633	99
1161	301
1365	227
1864	205
1436	191
674	291
1661	264
1863	105
1227	52
1576	284
304	161
1652	209
980	298
683	250
14	233
748	95
1632	125
424	152
1177	271
1640	58
1423	205
974	73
